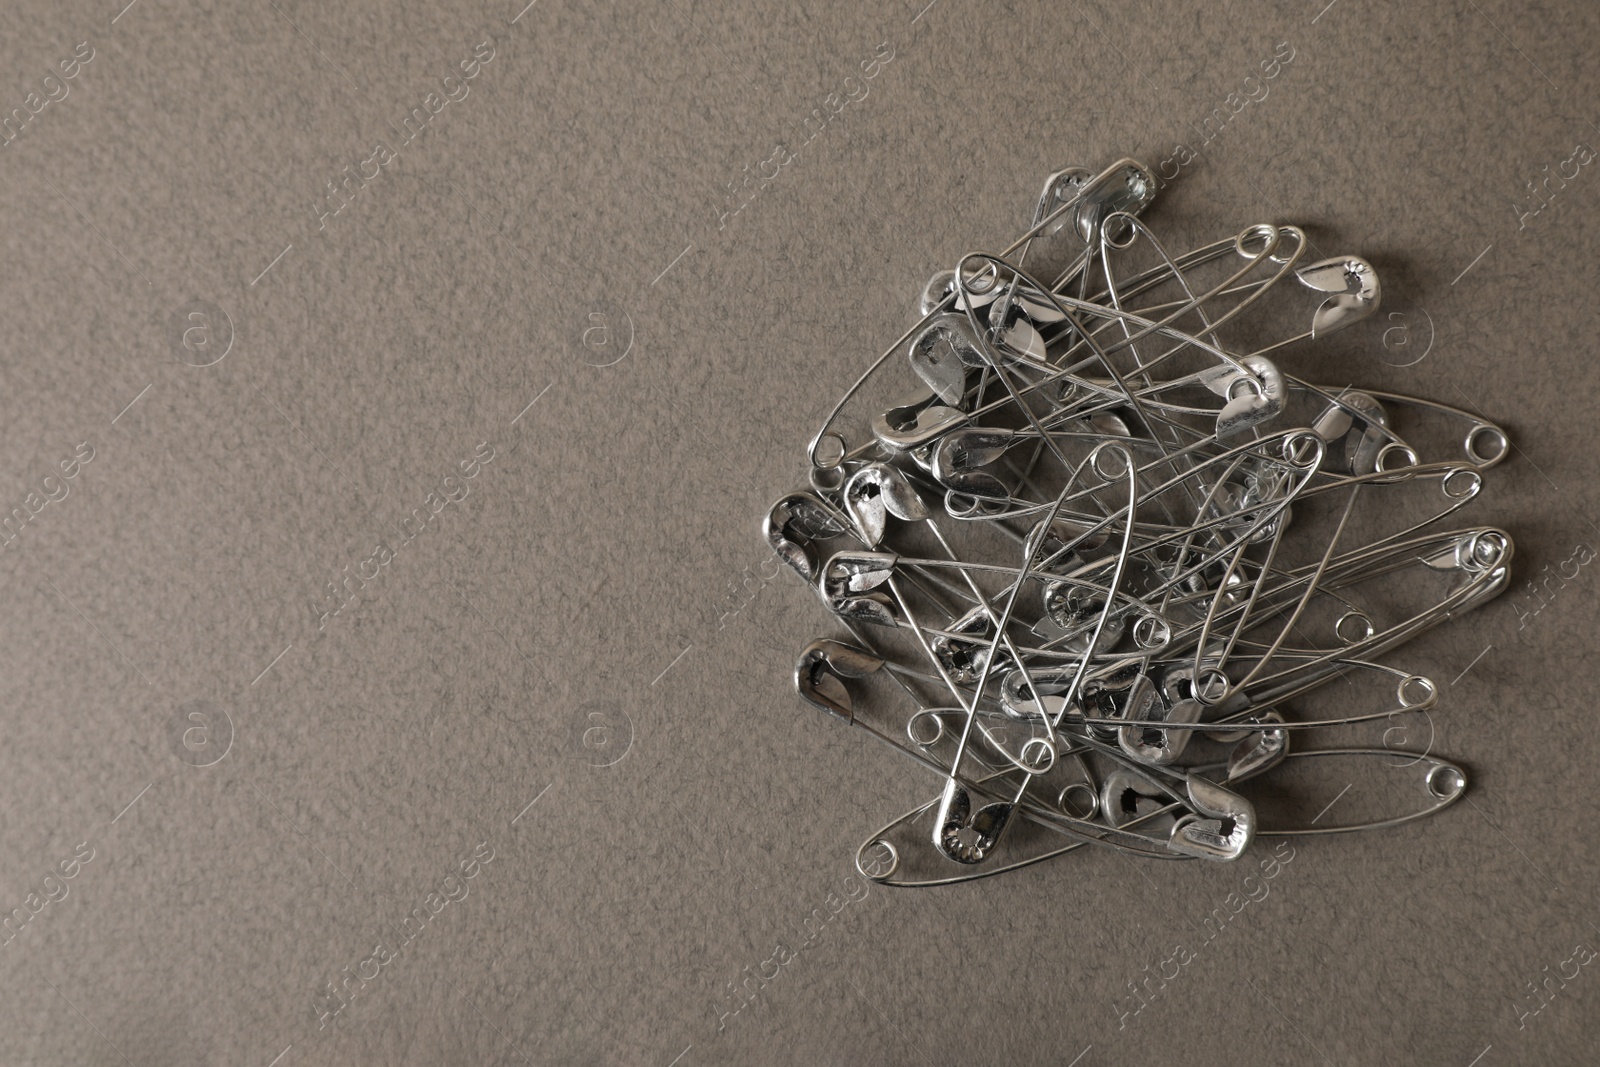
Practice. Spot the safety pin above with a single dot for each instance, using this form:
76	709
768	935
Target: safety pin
1481	434
1121	166
1173	267
1441	781
1487	577
1218	824
959	834
1066	306
1248	761
1269	238
886	864
1241	722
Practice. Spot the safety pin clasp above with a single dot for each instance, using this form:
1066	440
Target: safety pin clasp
1356	290
1143	738
915	422
822	666
963	660
1219	829
850	581
941	353
1359	419
1126	187
963	835
876	492
1261	750
792	527
1259	401
954	459
1126	796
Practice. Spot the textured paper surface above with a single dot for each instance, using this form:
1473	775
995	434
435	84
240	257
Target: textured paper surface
576	660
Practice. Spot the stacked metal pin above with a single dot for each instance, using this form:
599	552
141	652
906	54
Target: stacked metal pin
1117	572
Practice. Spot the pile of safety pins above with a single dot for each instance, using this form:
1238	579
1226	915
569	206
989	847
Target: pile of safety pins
1118	562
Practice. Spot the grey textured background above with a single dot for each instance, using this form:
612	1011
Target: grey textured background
601	592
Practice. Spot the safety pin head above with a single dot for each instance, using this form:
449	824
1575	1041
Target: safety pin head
818	674
1021	699
1126	187
1060	189
876	492
915	422
1073	535
793	525
1075	609
941	354
936	292
963	835
982	286
1143	738
850	581
1221	826
1011	328
1357	419
1241	506
962	659
1356	290
1126	795
1259	400
1261	750
974	446
953	459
